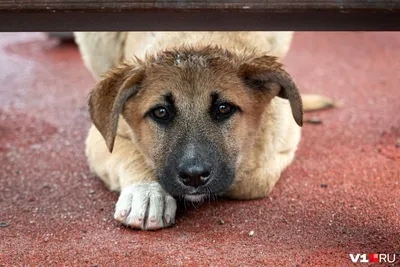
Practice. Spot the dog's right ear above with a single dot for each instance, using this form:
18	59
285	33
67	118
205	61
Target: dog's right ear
107	99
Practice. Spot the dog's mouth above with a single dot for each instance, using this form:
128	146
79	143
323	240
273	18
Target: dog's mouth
195	197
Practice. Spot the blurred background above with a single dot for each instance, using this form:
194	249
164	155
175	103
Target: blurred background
340	195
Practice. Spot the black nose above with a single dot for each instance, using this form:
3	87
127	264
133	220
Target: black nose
194	175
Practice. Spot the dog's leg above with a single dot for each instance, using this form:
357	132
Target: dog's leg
142	204
258	181
100	50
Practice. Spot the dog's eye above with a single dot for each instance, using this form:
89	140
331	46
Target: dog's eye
224	111
160	113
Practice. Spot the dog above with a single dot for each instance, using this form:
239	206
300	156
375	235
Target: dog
189	115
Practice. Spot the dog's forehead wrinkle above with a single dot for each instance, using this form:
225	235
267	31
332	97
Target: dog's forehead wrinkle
189	55
205	56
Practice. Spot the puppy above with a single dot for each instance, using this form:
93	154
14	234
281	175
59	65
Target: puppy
189	115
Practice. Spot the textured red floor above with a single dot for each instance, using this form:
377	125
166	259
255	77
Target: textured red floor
340	196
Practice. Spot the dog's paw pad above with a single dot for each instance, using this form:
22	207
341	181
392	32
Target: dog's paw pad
145	206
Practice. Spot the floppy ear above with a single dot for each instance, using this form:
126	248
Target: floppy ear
267	75
107	99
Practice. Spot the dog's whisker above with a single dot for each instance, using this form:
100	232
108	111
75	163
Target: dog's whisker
185	204
215	197
194	205
209	195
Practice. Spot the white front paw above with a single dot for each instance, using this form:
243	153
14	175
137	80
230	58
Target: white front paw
145	206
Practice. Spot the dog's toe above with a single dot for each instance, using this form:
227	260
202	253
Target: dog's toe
155	212
123	206
145	206
170	210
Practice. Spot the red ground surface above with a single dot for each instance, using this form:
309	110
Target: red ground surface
58	213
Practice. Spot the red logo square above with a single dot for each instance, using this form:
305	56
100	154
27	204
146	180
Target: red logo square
373	257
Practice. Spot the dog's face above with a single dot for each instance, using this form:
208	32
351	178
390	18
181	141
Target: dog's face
194	113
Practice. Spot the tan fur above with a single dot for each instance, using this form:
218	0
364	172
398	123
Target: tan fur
101	50
260	167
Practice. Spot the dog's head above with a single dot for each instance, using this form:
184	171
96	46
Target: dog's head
194	112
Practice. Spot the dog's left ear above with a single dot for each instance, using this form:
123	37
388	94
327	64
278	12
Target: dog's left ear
266	74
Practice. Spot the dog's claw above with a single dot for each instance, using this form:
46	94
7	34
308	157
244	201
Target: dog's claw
167	219
145	206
